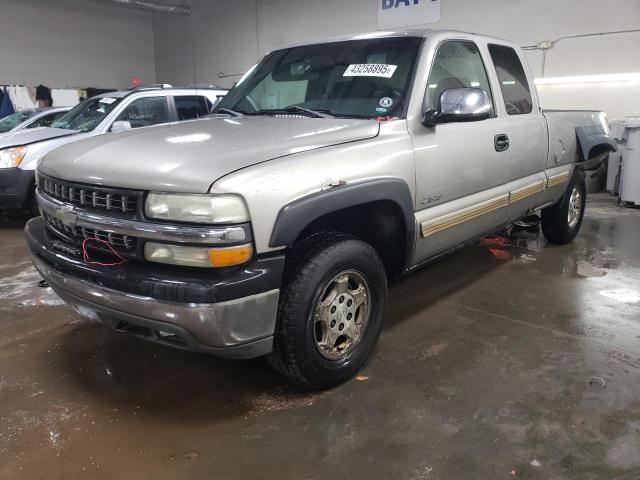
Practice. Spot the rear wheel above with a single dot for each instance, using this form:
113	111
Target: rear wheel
331	310
561	222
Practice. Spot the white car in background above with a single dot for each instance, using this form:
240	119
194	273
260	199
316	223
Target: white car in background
31	118
105	113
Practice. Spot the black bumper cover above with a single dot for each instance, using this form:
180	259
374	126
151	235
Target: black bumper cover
16	186
163	282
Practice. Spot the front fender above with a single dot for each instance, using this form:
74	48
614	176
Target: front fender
294	217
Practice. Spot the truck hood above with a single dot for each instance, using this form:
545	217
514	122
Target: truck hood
25	137
190	156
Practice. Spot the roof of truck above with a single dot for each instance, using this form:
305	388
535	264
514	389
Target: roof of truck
413	32
165	88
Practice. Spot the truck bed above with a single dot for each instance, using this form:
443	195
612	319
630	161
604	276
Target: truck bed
576	133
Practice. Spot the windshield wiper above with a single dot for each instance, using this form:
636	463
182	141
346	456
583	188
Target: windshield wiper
316	113
293	109
229	111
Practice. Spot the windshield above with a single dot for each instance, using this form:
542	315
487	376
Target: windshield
355	79
87	115
12	121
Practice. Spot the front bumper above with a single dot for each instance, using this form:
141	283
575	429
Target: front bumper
15	187
230	313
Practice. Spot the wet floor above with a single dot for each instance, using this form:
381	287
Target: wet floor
510	359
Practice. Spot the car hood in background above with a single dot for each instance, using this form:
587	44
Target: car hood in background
25	137
190	156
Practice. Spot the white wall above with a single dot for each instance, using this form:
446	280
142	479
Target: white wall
230	36
223	36
74	44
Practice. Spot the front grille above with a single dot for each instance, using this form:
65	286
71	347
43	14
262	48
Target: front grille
118	202
123	244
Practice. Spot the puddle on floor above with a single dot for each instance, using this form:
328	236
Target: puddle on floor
622	295
22	289
586	270
591	263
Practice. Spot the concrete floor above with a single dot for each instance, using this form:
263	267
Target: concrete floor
510	359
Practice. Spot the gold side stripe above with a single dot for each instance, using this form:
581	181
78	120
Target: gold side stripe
437	225
557	179
525	192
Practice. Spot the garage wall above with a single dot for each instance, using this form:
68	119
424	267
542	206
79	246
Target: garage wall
74	44
222	35
229	37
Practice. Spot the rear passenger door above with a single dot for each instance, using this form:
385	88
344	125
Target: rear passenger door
528	142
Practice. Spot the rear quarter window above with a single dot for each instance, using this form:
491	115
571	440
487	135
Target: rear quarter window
513	80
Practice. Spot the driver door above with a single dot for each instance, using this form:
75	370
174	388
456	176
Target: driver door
461	172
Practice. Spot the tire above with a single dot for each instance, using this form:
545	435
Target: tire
559	224
311	349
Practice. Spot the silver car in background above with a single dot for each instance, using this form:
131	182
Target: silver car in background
31	118
110	112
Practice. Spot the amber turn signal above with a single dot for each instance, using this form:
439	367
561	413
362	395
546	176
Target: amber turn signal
228	256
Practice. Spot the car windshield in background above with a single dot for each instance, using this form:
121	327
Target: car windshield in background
87	115
12	121
354	79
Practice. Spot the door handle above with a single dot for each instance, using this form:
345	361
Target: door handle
501	142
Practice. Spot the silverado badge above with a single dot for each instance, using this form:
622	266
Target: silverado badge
66	215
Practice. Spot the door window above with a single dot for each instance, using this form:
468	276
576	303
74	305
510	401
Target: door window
513	80
457	64
192	106
144	112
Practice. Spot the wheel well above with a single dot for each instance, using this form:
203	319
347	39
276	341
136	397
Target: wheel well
594	152
379	223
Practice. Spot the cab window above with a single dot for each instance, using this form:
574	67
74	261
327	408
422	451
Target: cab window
457	64
144	112
513	80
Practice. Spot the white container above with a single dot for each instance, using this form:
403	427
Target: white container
630	172
615	158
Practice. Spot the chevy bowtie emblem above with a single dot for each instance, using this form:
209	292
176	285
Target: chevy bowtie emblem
66	215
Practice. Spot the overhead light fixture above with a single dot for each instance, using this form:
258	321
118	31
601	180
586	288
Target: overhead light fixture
603	78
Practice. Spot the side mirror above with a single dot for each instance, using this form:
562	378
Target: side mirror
120	126
459	105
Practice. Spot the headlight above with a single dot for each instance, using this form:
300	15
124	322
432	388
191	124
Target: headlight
196	208
11	157
197	256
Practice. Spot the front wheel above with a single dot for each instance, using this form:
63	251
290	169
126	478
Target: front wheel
561	222
331	310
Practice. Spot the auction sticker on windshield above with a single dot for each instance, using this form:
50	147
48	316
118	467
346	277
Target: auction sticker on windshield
107	100
370	70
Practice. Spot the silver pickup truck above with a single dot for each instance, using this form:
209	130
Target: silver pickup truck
273	228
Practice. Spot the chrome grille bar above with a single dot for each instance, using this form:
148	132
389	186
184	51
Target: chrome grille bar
204	235
118	201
